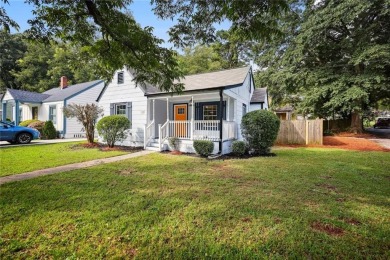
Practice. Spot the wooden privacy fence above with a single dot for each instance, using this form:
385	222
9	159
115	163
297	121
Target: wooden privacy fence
300	132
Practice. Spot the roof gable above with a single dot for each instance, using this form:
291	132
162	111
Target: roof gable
27	96
58	94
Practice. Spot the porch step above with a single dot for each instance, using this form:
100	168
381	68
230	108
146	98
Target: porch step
154	144
151	148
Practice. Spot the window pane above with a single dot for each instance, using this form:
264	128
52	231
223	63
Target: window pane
180	111
210	112
120	110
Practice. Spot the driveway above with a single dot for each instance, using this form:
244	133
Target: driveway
380	133
4	144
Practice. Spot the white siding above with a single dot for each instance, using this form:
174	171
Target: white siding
241	95
43	113
254	107
127	92
89	96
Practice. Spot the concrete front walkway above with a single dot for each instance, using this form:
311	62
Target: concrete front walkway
69	167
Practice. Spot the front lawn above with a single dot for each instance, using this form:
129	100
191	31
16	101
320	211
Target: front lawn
303	203
20	159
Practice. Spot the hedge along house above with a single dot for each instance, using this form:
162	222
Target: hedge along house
19	105
210	108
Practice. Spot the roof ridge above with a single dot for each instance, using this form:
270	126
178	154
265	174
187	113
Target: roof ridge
219	70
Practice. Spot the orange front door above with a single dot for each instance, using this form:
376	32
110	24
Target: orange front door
180	112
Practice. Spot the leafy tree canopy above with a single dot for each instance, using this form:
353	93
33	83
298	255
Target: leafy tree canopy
335	56
108	32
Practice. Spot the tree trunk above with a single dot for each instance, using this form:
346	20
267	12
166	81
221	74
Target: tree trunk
356	123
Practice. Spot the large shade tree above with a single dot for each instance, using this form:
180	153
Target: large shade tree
336	57
107	30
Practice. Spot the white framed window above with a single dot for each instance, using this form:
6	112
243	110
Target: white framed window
20	114
120	109
210	112
244	111
53	114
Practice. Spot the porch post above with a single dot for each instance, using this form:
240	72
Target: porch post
4	112
192	117
168	117
220	119
154	128
228	109
17	112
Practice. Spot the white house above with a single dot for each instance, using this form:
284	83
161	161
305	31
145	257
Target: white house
19	105
210	108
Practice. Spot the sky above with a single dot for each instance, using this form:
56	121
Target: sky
141	9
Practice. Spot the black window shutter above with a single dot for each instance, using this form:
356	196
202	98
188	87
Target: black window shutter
112	109
198	112
129	111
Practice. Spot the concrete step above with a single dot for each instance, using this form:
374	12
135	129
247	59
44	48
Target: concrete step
151	148
154	144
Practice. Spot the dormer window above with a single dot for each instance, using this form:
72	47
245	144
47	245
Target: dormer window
120	77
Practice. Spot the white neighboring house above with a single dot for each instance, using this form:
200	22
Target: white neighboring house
210	108
19	105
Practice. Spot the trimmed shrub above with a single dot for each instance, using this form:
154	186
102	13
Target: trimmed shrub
203	147
113	129
49	131
239	148
37	125
260	129
26	123
174	143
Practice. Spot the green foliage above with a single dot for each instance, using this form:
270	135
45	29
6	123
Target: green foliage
322	203
334	57
86	115
239	148
260	129
12	48
174	143
49	131
37	157
203	147
26	123
113	129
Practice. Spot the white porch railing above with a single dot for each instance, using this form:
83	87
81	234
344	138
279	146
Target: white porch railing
180	129
206	130
191	130
149	133
163	133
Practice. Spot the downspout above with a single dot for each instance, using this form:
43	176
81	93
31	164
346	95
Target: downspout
220	119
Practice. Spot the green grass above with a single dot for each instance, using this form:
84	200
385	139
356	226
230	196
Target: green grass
14	160
304	203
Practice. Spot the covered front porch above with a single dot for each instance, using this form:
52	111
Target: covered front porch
188	117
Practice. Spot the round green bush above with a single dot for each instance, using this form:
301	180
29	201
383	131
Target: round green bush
49	131
239	148
203	147
260	129
26	123
113	129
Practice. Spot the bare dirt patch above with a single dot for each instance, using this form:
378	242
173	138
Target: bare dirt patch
327	186
352	221
327	228
105	148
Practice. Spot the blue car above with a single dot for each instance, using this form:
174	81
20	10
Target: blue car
17	134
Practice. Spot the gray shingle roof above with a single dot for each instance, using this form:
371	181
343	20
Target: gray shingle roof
259	95
58	94
209	80
27	96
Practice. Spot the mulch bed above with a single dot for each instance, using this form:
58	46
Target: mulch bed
348	141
